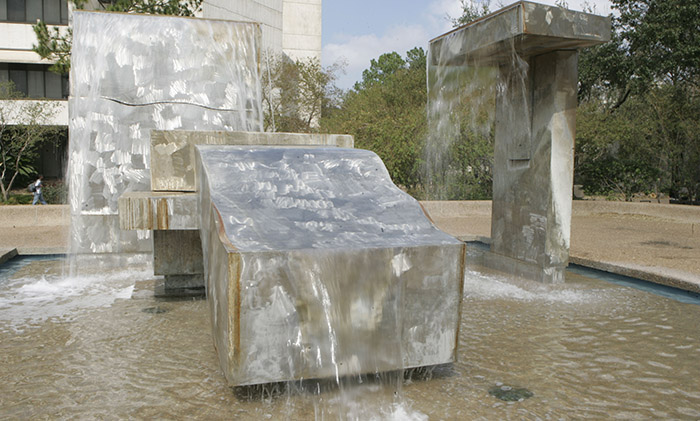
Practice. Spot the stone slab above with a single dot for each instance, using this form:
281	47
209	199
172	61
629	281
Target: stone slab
318	266
178	252
158	211
524	27
132	73
172	152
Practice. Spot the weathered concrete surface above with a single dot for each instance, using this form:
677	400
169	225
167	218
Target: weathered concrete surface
532	181
177	254
158	211
531	28
172	152
318	266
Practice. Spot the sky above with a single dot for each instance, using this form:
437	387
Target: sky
354	32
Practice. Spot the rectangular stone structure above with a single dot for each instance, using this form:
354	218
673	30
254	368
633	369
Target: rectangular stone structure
158	211
130	74
525	27
318	266
532	50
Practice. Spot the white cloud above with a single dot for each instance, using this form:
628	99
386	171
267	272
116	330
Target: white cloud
439	13
357	51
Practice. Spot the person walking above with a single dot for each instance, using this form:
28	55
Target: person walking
38	197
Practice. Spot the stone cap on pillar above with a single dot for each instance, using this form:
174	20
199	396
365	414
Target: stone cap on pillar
525	27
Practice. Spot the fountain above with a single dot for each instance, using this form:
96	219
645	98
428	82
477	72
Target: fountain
314	247
101	345
527	53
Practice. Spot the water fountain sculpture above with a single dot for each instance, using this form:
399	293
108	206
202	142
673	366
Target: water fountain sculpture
533	48
60	334
315	264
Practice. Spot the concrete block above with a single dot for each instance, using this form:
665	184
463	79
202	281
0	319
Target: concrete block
178	252
172	152
535	49
532	198
158	211
318	266
531	28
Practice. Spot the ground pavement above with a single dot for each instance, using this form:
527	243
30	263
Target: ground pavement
656	242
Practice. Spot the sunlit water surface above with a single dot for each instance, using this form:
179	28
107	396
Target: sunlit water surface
100	346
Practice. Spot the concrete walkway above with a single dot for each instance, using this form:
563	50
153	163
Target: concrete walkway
656	242
34	229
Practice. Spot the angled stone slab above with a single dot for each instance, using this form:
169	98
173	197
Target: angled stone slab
317	266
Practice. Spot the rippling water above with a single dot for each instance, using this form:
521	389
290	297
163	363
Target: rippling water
102	347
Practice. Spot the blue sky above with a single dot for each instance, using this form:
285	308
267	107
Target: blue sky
359	30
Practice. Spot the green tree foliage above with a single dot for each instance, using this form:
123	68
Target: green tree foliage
640	103
385	112
295	93
54	43
471	10
22	129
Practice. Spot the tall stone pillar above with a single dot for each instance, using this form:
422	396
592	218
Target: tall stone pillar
535	47
533	167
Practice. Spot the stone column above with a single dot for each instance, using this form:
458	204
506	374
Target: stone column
533	167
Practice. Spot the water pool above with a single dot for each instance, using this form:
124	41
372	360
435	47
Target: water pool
101	346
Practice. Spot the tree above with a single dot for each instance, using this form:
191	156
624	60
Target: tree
471	11
54	43
380	69
385	112
663	39
295	93
23	126
649	75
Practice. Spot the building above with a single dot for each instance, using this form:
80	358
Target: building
292	27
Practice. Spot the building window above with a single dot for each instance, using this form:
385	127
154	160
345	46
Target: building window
35	80
52	12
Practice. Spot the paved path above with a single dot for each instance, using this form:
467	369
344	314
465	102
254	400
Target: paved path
659	243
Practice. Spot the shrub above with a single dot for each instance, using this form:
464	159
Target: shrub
55	193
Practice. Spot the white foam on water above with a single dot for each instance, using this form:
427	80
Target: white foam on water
477	284
373	402
396	412
30	300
